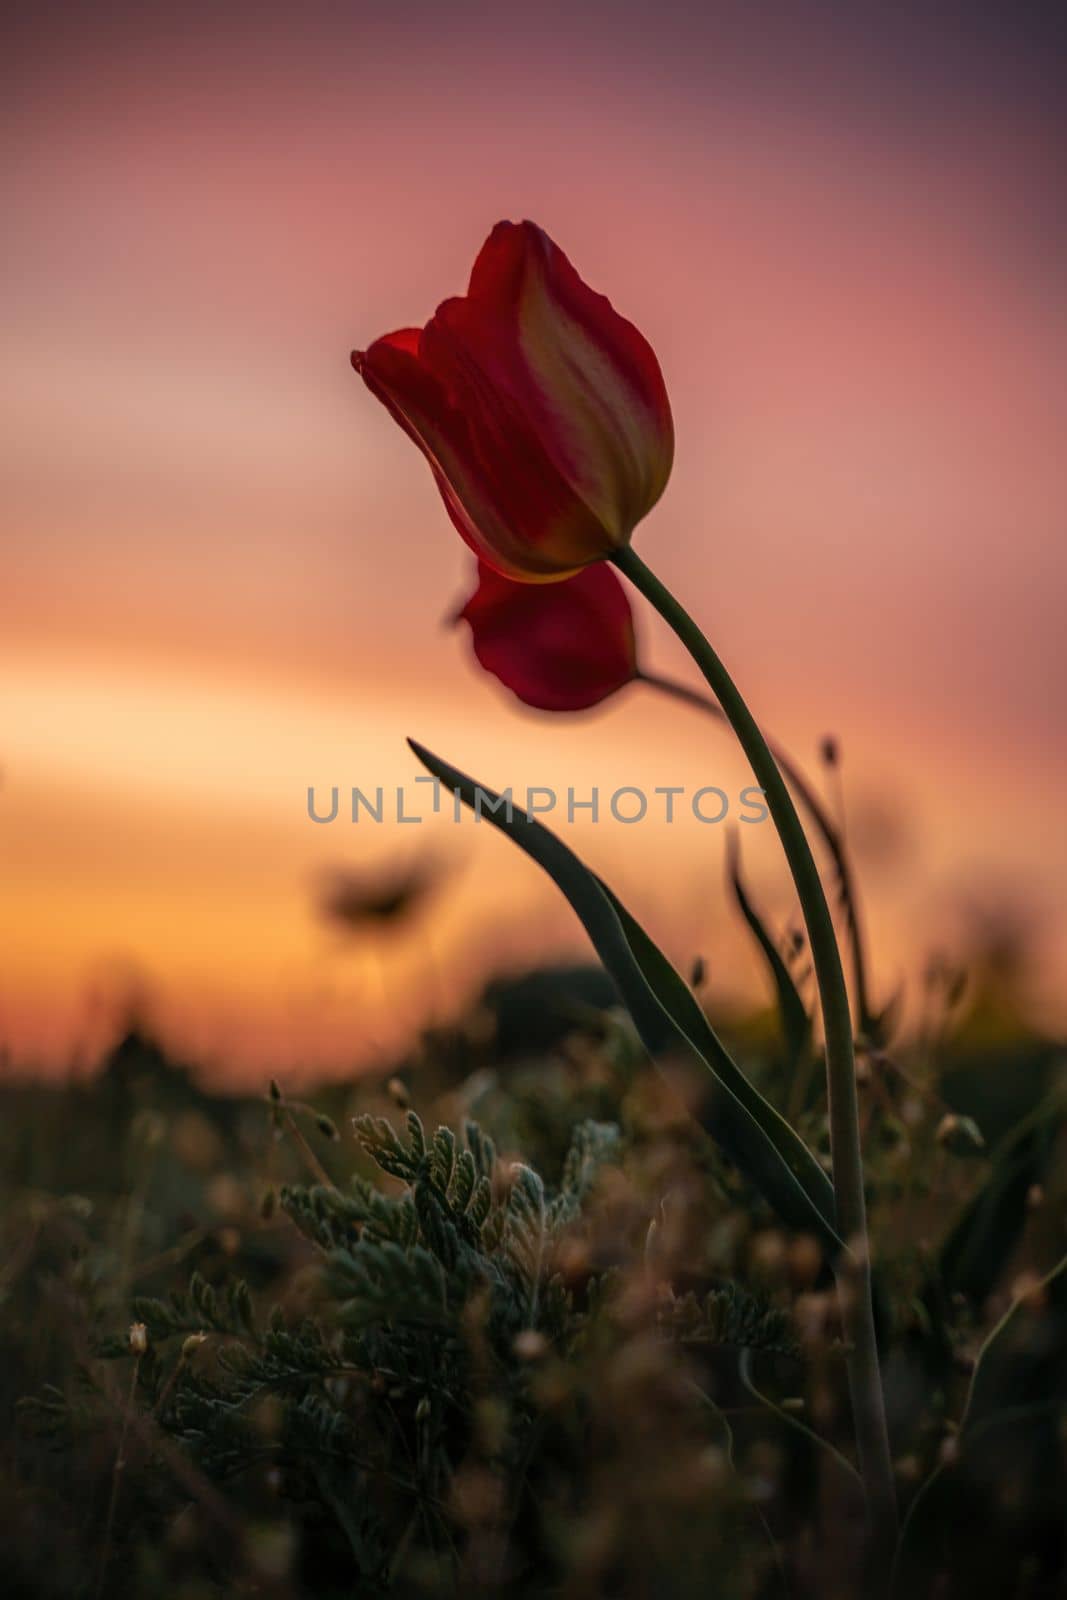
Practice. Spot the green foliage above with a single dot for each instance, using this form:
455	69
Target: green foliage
1010	1427
518	1340
730	1317
200	1308
991	1224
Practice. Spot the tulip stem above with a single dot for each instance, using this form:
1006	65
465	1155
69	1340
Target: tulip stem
853	1269
832	836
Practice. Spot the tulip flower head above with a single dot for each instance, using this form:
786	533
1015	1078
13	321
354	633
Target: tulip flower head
542	413
559	647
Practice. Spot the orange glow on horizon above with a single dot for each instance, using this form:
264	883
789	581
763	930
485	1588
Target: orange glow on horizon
226	574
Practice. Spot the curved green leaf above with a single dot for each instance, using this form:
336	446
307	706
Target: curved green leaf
688	1018
796	1024
978	1249
667	1015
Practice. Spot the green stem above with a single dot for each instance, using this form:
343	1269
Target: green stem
744	1371
853	1270
831	834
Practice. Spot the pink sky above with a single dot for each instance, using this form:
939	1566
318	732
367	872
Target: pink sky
225	570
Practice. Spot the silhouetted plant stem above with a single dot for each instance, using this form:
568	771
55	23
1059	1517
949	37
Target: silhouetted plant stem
853	1269
831	834
116	1478
283	1109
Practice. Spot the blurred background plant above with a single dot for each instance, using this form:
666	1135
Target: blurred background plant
313	1347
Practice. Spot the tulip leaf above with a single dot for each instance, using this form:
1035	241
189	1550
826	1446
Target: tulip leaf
687	1018
668	1017
796	1024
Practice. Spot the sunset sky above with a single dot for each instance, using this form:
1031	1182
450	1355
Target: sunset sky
225	572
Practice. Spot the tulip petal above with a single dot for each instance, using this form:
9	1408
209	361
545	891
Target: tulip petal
587	375
559	647
507	500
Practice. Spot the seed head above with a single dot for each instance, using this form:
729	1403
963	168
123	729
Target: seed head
397	1091
530	1345
960	1134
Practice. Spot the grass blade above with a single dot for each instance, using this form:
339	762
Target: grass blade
796	1024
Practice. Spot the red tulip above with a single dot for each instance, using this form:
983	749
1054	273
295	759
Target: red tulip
561	647
542	413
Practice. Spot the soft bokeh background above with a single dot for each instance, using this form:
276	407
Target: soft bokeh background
225	571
